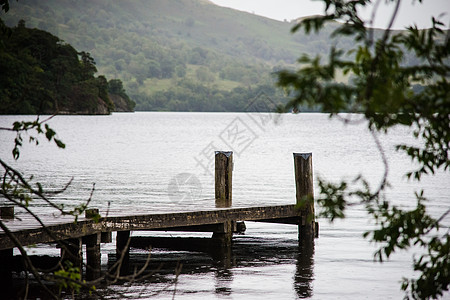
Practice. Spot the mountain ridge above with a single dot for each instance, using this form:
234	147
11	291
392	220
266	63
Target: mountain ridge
191	51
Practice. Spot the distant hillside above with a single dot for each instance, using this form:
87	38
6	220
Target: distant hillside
40	74
177	54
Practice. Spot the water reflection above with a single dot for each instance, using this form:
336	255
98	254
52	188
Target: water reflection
223	282
304	274
246	252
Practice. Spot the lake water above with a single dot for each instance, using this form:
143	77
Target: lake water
134	159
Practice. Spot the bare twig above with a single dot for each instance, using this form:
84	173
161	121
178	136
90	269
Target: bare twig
26	129
385	162
371	23
378	50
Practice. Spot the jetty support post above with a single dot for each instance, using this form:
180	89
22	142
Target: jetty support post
106	237
223	178
123	250
71	250
93	256
6	256
6	263
222	237
305	195
221	243
92	242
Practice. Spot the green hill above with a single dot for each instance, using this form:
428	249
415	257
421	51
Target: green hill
43	75
176	54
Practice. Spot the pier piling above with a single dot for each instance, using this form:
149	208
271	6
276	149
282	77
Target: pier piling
93	256
223	178
122	248
6	263
305	194
71	250
222	237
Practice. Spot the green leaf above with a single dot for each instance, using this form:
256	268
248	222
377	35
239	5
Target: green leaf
59	143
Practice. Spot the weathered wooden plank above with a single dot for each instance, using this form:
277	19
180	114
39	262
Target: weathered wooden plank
223	178
143	222
66	230
58	232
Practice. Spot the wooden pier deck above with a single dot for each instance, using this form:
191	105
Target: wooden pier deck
221	220
29	232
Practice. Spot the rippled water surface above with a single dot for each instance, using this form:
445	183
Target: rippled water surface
135	160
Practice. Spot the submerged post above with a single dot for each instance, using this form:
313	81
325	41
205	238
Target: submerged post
71	250
223	178
305	194
123	250
93	256
7	263
222	238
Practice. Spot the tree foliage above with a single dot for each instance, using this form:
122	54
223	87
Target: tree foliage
387	91
36	61
189	95
154	46
43	75
115	87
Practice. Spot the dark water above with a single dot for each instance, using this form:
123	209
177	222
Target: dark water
135	158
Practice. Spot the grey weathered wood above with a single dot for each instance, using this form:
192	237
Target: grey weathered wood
305	193
7	212
223	178
69	229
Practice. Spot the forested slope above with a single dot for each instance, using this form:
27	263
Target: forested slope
177	54
40	74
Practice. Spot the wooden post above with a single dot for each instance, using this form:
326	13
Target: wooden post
6	263
223	178
91	213
93	256
121	245
71	250
7	212
305	194
221	243
224	235
106	237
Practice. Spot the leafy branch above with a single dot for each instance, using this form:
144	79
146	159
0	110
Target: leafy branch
385	91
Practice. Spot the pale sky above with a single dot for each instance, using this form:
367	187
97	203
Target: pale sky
409	14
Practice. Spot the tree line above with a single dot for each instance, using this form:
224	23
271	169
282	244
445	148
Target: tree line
41	74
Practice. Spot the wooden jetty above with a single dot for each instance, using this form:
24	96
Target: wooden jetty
222	220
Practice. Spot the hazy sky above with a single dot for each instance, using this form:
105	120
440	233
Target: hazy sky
419	14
